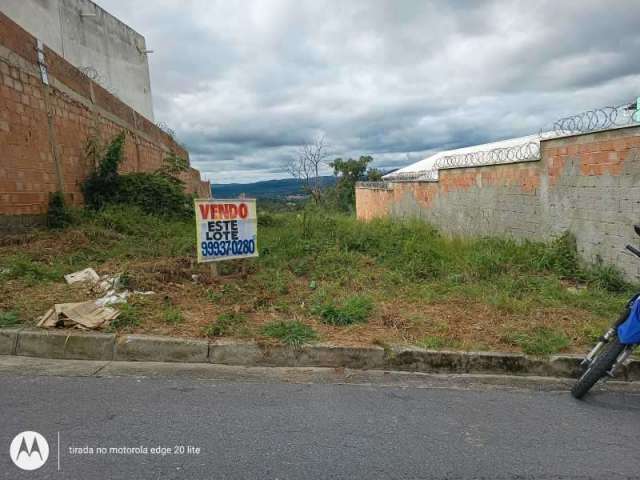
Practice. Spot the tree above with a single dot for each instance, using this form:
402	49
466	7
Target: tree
306	167
349	172
374	175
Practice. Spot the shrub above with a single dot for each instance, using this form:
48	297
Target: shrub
292	333
355	309
267	219
101	186
173	166
158	193
58	215
154	194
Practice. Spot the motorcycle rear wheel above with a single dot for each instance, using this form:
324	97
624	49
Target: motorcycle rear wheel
598	368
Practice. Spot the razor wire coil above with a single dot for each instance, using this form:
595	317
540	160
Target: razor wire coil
597	119
527	151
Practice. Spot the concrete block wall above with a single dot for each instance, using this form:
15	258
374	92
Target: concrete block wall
586	184
44	130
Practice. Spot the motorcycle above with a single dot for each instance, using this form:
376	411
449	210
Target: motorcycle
615	346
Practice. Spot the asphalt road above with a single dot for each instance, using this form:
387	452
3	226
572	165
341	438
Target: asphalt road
257	424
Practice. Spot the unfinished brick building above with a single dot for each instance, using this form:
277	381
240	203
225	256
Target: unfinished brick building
49	109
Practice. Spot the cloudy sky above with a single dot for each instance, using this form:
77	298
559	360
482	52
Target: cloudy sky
245	83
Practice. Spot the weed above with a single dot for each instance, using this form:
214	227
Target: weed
538	341
607	278
214	296
355	309
562	255
268	219
591	332
292	333
173	315
226	324
99	188
129	317
8	319
58	215
274	281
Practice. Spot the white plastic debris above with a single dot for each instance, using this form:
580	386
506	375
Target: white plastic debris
112	297
108	282
86	275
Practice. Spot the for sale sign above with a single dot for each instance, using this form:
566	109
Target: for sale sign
226	229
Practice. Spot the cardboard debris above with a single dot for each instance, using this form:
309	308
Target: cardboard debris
86	275
78	315
92	314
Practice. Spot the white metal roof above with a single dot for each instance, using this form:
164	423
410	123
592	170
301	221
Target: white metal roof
427	168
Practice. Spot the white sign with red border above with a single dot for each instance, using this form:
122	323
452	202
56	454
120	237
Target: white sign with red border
226	229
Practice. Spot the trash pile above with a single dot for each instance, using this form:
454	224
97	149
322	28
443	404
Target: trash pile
92	314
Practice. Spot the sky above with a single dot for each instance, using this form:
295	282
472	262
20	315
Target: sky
246	83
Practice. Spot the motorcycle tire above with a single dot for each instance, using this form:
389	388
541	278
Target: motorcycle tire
598	368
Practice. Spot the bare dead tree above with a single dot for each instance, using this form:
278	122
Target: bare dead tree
305	166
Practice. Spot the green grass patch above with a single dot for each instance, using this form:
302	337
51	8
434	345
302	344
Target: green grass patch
172	315
130	316
31	271
538	341
292	333
355	309
9	319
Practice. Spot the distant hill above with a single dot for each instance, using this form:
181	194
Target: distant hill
265	189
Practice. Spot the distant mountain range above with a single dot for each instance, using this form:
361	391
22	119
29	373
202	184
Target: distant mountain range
265	189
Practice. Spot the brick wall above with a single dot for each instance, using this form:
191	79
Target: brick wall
44	130
587	184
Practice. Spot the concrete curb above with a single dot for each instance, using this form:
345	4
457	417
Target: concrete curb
67	344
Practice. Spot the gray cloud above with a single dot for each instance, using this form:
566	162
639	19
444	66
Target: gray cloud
244	84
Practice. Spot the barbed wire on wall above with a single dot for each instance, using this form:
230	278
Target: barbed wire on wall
585	122
94	74
597	119
172	133
524	152
528	151
166	129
